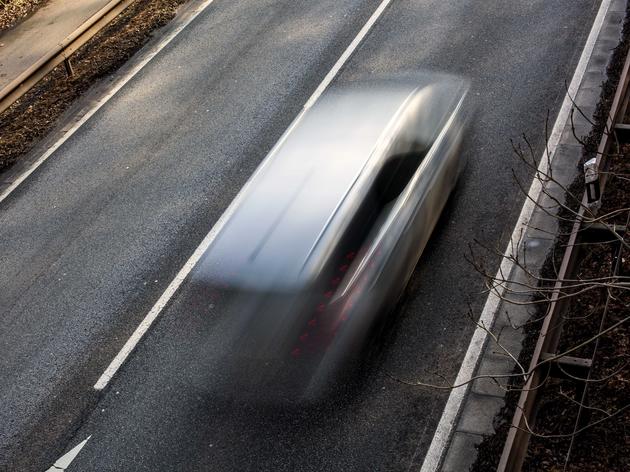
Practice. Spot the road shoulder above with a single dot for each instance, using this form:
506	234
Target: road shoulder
482	408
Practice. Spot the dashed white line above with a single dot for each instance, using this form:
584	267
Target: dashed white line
434	457
150	318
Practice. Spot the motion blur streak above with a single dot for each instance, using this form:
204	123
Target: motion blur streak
329	230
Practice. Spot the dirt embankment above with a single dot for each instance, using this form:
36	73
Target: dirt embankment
36	113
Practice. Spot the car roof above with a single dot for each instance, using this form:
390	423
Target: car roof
294	197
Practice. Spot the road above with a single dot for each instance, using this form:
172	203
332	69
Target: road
95	235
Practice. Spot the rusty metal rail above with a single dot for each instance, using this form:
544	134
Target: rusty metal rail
61	53
516	445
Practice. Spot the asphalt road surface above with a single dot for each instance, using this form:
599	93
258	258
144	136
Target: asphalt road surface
93	237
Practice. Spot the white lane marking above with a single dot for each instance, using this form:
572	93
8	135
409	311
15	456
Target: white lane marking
433	459
146	323
64	461
105	98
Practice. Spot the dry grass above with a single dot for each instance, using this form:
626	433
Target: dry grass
13	11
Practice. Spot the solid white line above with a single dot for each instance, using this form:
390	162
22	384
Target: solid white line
105	98
433	459
140	331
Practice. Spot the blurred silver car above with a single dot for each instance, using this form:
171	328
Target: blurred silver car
329	228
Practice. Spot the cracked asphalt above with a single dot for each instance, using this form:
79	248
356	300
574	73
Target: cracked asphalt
94	236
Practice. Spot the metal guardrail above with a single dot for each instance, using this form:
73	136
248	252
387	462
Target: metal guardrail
61	53
516	445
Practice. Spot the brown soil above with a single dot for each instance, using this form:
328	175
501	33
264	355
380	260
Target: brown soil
13	12
36	113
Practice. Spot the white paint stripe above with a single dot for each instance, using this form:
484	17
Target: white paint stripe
64	461
105	98
433	459
185	270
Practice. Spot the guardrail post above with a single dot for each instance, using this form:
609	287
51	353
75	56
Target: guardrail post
68	65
